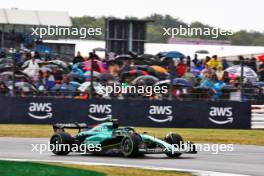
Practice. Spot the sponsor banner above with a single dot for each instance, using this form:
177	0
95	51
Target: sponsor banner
175	114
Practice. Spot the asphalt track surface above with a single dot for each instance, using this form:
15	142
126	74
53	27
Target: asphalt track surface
244	160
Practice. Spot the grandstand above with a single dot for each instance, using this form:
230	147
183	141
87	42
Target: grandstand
16	24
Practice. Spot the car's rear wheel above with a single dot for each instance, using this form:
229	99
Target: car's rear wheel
61	143
130	145
176	140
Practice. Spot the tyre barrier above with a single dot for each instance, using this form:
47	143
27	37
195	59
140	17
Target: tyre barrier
257	116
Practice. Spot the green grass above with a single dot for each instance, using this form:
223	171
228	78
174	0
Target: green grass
14	168
252	137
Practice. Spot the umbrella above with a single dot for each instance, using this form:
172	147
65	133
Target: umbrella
105	77
99	89
181	82
64	87
261	58
60	64
95	74
148	56
45	69
99	49
159	69
235	71
75	84
6	61
5	67
26	63
123	57
259	84
195	71
8	74
25	86
147	68
134	72
145	79
163	82
147	59
174	54
202	52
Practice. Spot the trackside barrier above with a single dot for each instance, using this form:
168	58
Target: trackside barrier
144	113
257	116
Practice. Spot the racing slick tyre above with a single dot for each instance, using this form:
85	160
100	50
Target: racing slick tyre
130	145
60	143
175	139
192	147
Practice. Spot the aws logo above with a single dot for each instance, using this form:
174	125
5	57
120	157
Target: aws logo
217	113
40	110
100	112
155	112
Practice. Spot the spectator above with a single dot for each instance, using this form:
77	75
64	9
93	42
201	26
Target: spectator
207	59
49	80
195	60
261	71
206	69
33	67
36	55
114	68
208	81
213	63
219	73
181	68
57	73
198	68
253	64
189	76
225	64
226	78
78	58
3	88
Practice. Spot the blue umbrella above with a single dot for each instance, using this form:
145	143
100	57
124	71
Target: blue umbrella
259	84
181	82
174	54
65	89
75	84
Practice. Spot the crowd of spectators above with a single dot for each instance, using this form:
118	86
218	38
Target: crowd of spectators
45	75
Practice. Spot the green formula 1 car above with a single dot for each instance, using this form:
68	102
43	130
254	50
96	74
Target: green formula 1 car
108	137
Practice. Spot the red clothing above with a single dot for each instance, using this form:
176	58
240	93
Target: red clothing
181	69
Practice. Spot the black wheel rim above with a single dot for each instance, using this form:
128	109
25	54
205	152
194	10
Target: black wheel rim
127	146
55	140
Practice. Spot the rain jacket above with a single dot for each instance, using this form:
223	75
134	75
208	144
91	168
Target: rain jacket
214	63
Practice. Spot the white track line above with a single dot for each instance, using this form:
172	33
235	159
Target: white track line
196	172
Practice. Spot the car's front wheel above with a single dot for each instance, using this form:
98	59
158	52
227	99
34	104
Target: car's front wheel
176	140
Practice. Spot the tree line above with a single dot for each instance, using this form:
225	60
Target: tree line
155	29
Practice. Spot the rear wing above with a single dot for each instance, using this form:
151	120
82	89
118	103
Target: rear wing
61	126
